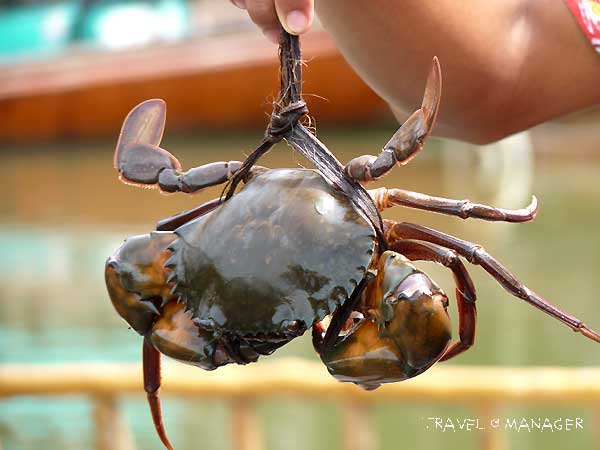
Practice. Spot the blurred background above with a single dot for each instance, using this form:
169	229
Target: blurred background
69	73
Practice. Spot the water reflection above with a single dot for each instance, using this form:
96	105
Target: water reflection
63	212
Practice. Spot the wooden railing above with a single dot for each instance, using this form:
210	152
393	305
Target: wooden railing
484	389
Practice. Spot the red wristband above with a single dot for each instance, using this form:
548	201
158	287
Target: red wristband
587	14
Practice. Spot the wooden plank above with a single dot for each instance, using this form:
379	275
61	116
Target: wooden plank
491	438
358	431
112	432
246	432
309	379
211	83
85	67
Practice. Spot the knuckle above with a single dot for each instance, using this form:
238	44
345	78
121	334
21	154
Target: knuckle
262	12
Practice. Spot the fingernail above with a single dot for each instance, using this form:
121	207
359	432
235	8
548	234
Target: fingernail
296	22
239	3
272	35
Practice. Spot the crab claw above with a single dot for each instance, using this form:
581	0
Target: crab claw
433	94
138	158
408	141
144	124
402	330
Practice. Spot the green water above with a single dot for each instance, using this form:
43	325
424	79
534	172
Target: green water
63	212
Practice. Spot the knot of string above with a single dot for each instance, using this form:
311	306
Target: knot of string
288	110
284	119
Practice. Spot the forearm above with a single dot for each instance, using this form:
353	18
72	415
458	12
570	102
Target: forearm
506	64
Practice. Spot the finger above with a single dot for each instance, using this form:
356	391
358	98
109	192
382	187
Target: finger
262	13
239	3
296	16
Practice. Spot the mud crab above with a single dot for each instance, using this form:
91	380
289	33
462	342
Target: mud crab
233	280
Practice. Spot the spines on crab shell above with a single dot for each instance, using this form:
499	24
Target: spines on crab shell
171	277
171	263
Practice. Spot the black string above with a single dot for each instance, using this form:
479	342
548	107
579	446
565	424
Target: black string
288	112
332	170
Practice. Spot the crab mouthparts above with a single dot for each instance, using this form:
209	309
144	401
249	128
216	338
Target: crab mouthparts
352	322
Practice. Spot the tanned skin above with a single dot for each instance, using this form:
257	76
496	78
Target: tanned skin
508	64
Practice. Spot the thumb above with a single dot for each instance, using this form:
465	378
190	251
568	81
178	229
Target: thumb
296	16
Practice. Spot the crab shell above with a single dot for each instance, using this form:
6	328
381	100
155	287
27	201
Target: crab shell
288	249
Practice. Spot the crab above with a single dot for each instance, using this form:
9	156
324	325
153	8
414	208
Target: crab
230	281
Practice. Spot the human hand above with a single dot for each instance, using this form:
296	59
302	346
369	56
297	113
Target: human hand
296	16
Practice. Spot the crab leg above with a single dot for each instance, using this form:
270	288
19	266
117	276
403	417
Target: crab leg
386	198
140	161
152	166
151	358
465	290
408	141
476	254
174	222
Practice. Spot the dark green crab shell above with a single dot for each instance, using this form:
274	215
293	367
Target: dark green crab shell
287	247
